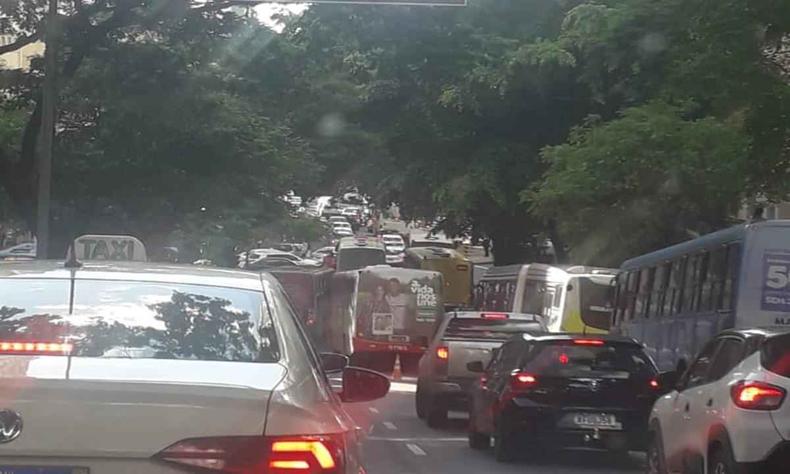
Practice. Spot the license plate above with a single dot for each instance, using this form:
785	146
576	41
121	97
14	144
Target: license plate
42	470
601	421
399	338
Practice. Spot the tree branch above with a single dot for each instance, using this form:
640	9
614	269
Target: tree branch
21	42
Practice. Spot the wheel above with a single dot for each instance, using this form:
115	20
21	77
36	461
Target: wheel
503	446
436	414
477	440
721	460
419	402
656	464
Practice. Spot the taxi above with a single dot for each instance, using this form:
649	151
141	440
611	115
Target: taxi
112	364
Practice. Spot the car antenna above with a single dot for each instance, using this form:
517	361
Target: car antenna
71	258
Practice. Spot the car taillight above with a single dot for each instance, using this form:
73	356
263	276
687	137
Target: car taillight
494	315
654	384
443	352
588	342
35	348
522	380
752	395
258	454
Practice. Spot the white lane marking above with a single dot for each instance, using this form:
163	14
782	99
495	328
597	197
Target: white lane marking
390	425
370	430
403	387
418	440
373	409
416	450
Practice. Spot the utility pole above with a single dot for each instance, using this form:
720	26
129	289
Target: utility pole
47	133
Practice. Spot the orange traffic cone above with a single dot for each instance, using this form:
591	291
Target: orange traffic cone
396	370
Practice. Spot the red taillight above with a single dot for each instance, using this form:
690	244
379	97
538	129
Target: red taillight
494	315
757	395
654	384
520	380
257	454
33	348
443	352
564	359
588	342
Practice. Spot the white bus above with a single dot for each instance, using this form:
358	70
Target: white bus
676	299
584	303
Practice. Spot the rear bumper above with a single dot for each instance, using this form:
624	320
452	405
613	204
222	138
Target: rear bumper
545	425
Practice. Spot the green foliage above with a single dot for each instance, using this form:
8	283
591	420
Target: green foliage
650	177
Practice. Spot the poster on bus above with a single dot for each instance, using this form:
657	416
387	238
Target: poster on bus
396	304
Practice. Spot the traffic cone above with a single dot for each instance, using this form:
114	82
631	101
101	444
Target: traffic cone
396	370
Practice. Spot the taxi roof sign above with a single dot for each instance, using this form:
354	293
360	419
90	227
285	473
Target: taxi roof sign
119	248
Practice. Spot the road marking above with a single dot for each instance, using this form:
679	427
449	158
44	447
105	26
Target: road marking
390	425
416	450
418	440
373	410
370	429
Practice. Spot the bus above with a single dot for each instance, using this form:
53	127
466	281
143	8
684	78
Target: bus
381	311
456	270
583	304
354	253
675	299
522	288
308	290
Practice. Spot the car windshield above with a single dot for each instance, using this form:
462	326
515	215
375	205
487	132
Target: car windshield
130	319
571	359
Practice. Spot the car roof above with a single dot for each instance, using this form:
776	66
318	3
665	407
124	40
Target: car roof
135	271
765	331
360	242
562	336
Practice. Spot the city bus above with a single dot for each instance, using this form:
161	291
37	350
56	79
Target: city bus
308	290
522	288
354	253
381	311
456	270
676	299
584	303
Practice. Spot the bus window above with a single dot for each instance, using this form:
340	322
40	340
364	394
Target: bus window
595	299
672	304
532	301
712	287
659	290
688	283
699	280
733	263
631	295
619	298
643	294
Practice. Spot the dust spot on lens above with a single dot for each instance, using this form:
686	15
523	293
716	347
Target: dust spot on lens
331	125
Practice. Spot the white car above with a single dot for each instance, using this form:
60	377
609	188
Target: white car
27	249
342	229
129	367
729	412
260	257
393	243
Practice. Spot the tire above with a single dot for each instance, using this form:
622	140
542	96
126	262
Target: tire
656	462
419	403
722	461
503	446
477	440
436	414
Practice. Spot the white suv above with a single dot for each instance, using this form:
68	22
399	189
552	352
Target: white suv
728	414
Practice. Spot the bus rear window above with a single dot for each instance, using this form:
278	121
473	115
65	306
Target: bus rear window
355	259
487	328
775	355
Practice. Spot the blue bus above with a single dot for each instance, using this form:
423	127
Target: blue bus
677	298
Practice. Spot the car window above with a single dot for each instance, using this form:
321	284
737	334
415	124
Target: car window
729	354
568	359
775	355
468	328
34	310
697	373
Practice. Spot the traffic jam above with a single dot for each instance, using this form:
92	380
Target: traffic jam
676	362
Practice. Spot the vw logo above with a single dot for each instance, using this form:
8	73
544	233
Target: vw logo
10	426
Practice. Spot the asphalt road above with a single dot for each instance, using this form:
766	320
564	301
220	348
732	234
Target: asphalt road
399	443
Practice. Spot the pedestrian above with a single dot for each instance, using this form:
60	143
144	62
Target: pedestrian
486	245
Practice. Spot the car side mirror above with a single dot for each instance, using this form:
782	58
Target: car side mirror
669	381
363	385
332	362
475	366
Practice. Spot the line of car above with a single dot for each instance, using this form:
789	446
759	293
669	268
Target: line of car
528	390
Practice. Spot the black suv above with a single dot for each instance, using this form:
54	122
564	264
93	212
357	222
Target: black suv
563	390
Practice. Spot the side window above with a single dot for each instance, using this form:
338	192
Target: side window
630	296
619	298
698	372
717	272
731	277
659	290
675	294
730	353
692	265
643	293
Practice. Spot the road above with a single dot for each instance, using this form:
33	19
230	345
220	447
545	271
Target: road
399	443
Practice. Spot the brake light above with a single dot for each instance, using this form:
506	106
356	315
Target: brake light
564	359
443	352
757	395
494	315
521	380
588	342
654	384
255	454
33	348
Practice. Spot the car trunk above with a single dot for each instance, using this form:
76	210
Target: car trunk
124	411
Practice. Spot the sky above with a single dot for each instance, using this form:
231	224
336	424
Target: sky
267	10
